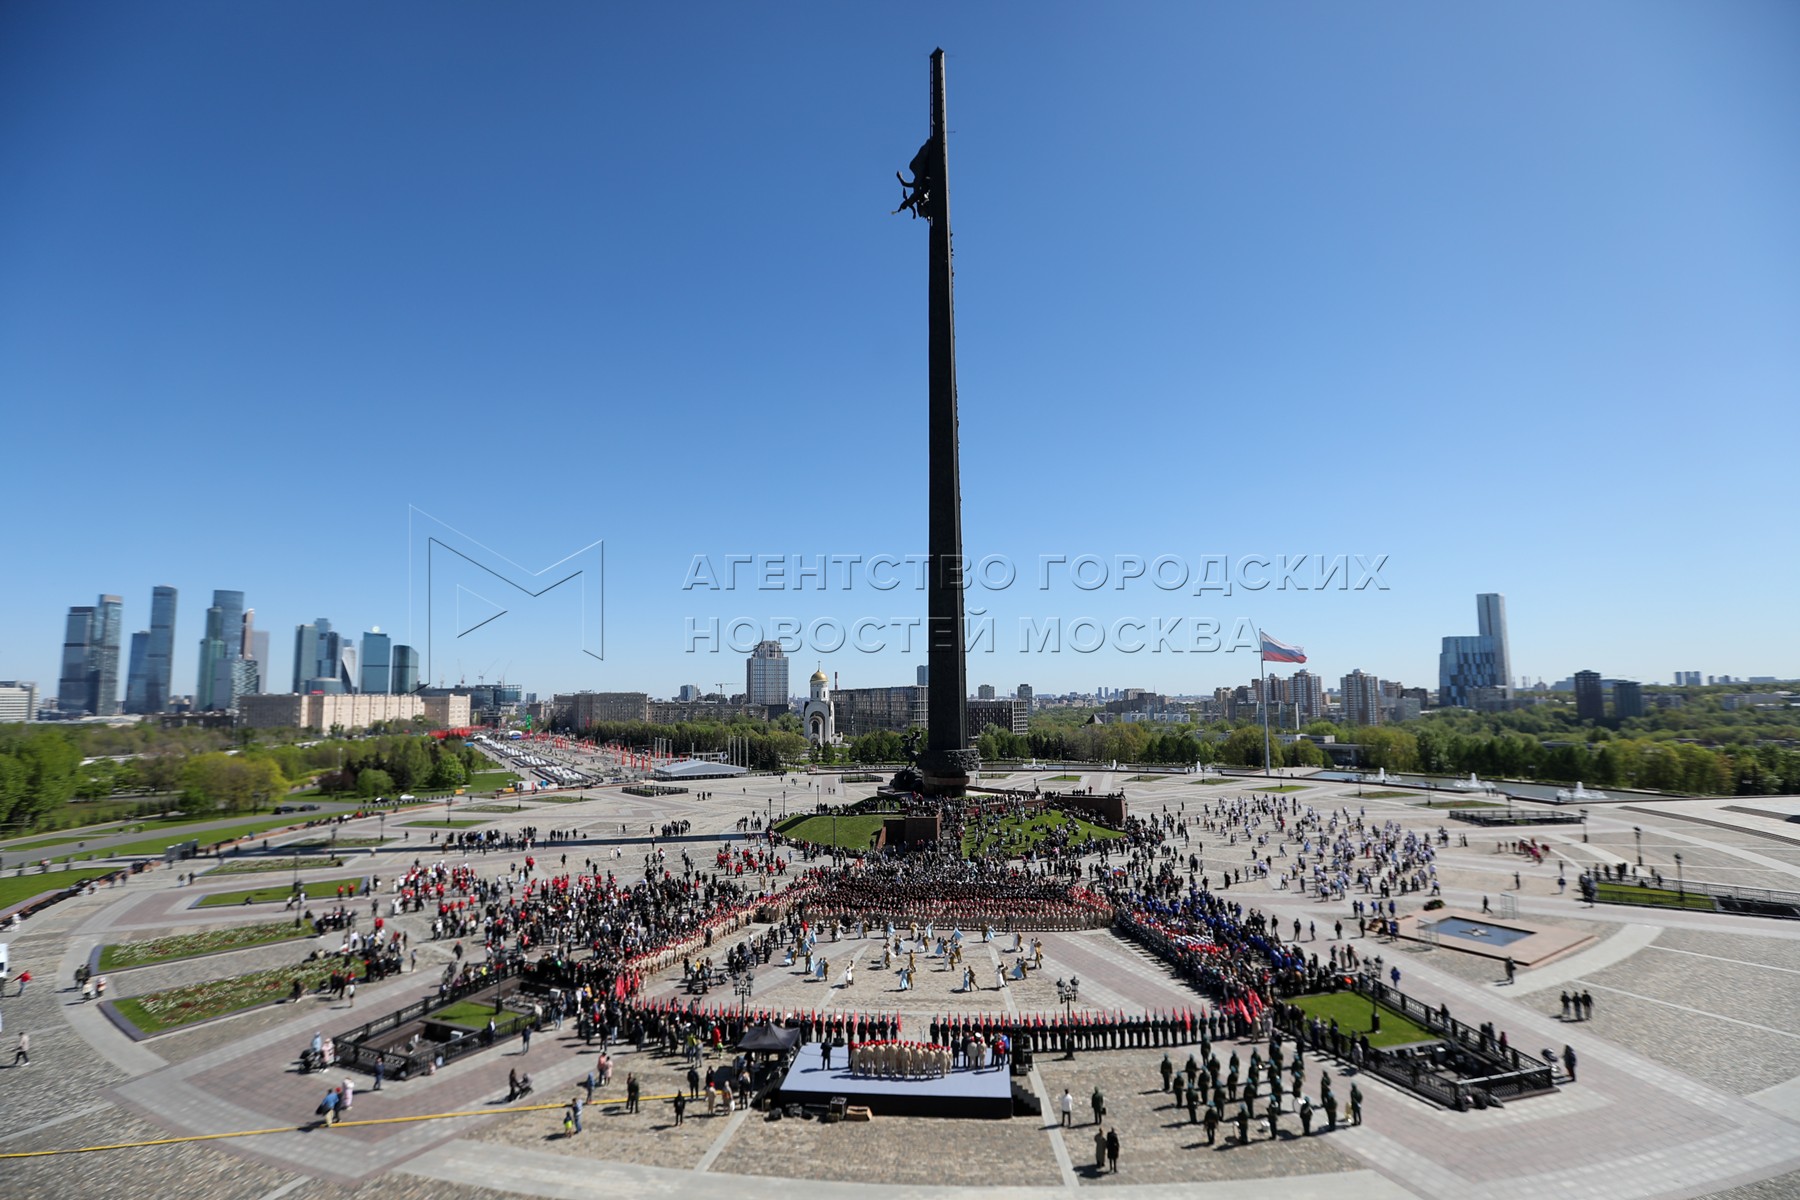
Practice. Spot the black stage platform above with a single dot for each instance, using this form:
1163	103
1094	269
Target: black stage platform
984	1094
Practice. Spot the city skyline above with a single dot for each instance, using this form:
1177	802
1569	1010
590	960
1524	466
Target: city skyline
1456	245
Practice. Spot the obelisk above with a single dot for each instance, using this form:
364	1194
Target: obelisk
948	761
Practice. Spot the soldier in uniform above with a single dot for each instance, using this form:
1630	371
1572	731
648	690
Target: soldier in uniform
1168	1071
1306	1116
1193	1105
1243	1124
1355	1105
1273	1112
1212	1122
1180	1089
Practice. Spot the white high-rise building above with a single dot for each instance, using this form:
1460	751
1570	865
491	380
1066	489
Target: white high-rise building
766	675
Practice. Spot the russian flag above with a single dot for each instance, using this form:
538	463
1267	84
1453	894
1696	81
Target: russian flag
1281	652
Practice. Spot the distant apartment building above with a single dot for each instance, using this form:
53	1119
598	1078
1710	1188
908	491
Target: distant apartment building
1361	698
1012	715
18	700
1307	693
766	675
580	710
985	692
1025	693
856	711
922	676
1628	699
286	710
1590	697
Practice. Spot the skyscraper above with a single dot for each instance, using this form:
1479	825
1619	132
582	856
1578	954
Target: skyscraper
159	660
75	689
406	670
377	661
137	674
985	692
1362	698
90	664
1590	700
1309	695
1490	614
766	675
221	643
1465	665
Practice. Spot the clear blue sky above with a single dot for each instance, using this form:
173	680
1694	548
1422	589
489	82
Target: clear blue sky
1510	294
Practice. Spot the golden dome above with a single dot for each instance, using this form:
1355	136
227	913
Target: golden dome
818	676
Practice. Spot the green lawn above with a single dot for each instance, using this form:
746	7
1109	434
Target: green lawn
1630	893
1282	787
1352	1012
17	888
1063	779
487	781
316	893
157	1012
1463	804
1210	782
1389	795
448	823
122	955
1148	778
487	808
853	829
471	1014
1015	836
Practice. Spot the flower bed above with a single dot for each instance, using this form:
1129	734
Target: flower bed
121	956
158	1012
252	866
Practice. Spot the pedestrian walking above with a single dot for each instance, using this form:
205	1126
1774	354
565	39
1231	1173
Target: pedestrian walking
680	1107
1587	1005
1569	1061
380	1072
1099	1150
22	1054
1112	1151
525	1040
1098	1103
1068	1108
1355	1105
631	1092
24	978
693	1081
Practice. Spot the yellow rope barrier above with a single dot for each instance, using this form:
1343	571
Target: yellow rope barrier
210	1137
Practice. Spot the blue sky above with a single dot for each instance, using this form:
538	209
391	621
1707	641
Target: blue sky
1508	294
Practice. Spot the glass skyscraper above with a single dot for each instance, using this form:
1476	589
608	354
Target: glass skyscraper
406	670
137	675
90	662
219	648
1490	615
159	659
766	675
377	661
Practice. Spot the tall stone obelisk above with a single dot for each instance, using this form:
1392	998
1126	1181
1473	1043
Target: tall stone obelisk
948	762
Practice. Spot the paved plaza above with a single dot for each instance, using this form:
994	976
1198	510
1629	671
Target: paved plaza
1689	1071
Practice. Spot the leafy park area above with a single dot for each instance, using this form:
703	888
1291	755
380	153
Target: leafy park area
121	956
318	892
172	1008
1352	1013
1013	836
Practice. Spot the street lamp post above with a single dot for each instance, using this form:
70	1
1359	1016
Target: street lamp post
1584	829
1680	885
1068	993
744	987
1372	975
1638	832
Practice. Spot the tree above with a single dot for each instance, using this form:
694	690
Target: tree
374	782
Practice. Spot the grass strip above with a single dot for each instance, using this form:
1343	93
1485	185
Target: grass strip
120	956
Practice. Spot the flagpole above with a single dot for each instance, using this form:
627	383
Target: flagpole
1262	667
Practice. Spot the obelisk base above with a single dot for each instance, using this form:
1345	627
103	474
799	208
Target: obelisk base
947	773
